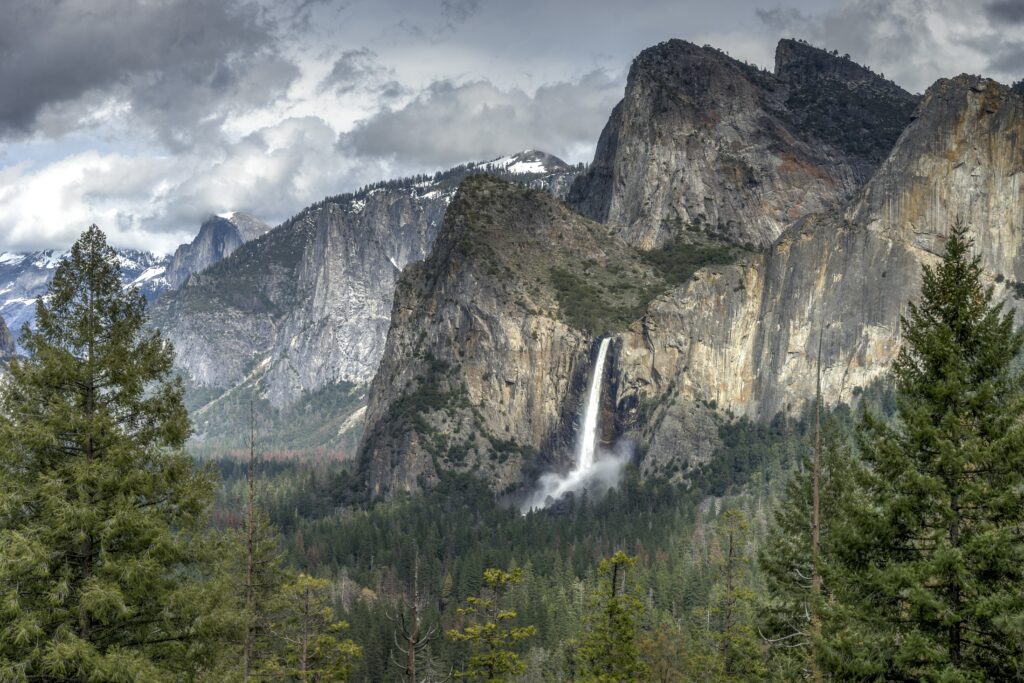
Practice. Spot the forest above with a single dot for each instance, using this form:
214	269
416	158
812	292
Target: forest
879	541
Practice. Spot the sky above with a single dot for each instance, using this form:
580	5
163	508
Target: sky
146	116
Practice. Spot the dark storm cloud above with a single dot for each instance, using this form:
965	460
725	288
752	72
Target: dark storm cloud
1009	11
448	123
173	62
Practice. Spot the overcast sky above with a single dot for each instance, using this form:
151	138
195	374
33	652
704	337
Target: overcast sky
146	116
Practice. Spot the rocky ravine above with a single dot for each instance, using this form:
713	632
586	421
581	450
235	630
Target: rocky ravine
704	142
738	339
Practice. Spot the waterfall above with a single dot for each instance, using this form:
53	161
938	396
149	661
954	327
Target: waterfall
590	471
587	436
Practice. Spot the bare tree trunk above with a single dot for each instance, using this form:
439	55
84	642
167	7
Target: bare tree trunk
816	521
250	540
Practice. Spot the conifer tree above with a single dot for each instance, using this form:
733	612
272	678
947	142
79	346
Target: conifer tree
102	572
932	567
787	558
731	613
494	636
610	648
311	645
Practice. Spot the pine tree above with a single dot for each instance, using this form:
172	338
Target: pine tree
610	648
932	569
494	636
102	515
787	560
311	645
731	612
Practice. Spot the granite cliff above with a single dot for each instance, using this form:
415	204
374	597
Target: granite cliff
486	356
218	237
703	142
298	317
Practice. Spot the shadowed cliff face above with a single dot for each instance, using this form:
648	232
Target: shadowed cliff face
702	141
218	237
746	336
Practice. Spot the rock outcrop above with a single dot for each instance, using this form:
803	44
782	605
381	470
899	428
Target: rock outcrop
6	341
744	338
704	142
486	356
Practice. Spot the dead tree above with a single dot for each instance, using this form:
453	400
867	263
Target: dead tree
412	637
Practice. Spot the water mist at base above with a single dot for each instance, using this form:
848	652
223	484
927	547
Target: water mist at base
597	469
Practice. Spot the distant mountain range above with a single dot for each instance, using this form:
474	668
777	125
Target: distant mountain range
24	276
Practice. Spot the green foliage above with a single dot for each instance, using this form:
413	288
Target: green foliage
105	565
312	424
610	648
737	648
786	558
312	645
679	259
929	569
493	637
588	305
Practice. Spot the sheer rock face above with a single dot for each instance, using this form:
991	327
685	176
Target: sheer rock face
703	141
482	372
308	304
344	284
733	340
746	336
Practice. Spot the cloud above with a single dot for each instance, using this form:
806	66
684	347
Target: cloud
154	202
914	42
450	122
458	11
360	70
171	63
1010	11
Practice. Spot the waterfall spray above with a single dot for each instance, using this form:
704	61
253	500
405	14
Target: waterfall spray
590	469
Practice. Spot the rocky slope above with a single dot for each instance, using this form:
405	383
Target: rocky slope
218	237
736	338
702	142
306	307
490	338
